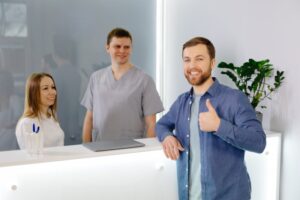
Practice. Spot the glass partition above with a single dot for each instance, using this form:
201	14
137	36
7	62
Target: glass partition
31	31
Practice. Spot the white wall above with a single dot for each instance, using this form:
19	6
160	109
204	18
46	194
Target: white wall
241	30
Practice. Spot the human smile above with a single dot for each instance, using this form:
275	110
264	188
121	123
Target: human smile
51	98
194	73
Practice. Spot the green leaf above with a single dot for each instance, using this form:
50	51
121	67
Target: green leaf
253	78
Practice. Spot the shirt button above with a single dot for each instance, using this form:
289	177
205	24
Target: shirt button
190	102
187	135
187	152
187	169
188	119
186	186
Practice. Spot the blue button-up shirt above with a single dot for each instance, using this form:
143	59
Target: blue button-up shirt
223	172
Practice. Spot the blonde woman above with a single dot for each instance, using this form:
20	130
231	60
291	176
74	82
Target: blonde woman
40	112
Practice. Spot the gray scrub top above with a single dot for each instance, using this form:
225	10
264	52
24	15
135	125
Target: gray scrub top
120	106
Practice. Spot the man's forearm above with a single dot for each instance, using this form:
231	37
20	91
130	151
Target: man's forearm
87	128
150	131
87	135
150	125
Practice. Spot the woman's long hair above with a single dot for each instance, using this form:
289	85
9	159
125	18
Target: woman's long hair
33	97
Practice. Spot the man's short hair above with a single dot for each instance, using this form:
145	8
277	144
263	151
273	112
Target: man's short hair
119	33
201	40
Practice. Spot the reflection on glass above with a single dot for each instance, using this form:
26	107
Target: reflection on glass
9	112
13	20
68	82
27	33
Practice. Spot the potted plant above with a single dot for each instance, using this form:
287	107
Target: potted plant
253	78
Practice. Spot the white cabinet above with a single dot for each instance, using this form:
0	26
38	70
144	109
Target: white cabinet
264	169
75	173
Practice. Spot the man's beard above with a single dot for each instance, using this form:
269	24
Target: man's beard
204	76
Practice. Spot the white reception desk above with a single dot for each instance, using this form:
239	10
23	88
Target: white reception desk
76	173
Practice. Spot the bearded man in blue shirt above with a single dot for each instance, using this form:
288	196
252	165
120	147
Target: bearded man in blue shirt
208	129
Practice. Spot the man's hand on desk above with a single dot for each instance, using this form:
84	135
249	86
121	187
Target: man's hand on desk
172	147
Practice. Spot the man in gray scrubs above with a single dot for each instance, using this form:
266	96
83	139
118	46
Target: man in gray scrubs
121	100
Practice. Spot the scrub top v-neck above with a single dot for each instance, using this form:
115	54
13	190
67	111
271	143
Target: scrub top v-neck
114	82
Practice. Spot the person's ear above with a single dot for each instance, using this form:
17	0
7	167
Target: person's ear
107	48
213	63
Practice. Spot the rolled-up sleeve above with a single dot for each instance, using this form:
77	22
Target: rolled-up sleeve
166	124
246	132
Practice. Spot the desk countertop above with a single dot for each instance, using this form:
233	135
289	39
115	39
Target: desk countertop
21	157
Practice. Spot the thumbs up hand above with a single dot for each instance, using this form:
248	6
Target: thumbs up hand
209	121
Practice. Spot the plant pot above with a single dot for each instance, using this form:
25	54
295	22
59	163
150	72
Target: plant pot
259	116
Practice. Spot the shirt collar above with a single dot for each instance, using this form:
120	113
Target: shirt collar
212	90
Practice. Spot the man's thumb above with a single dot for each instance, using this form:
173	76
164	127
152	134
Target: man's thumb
209	106
180	147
